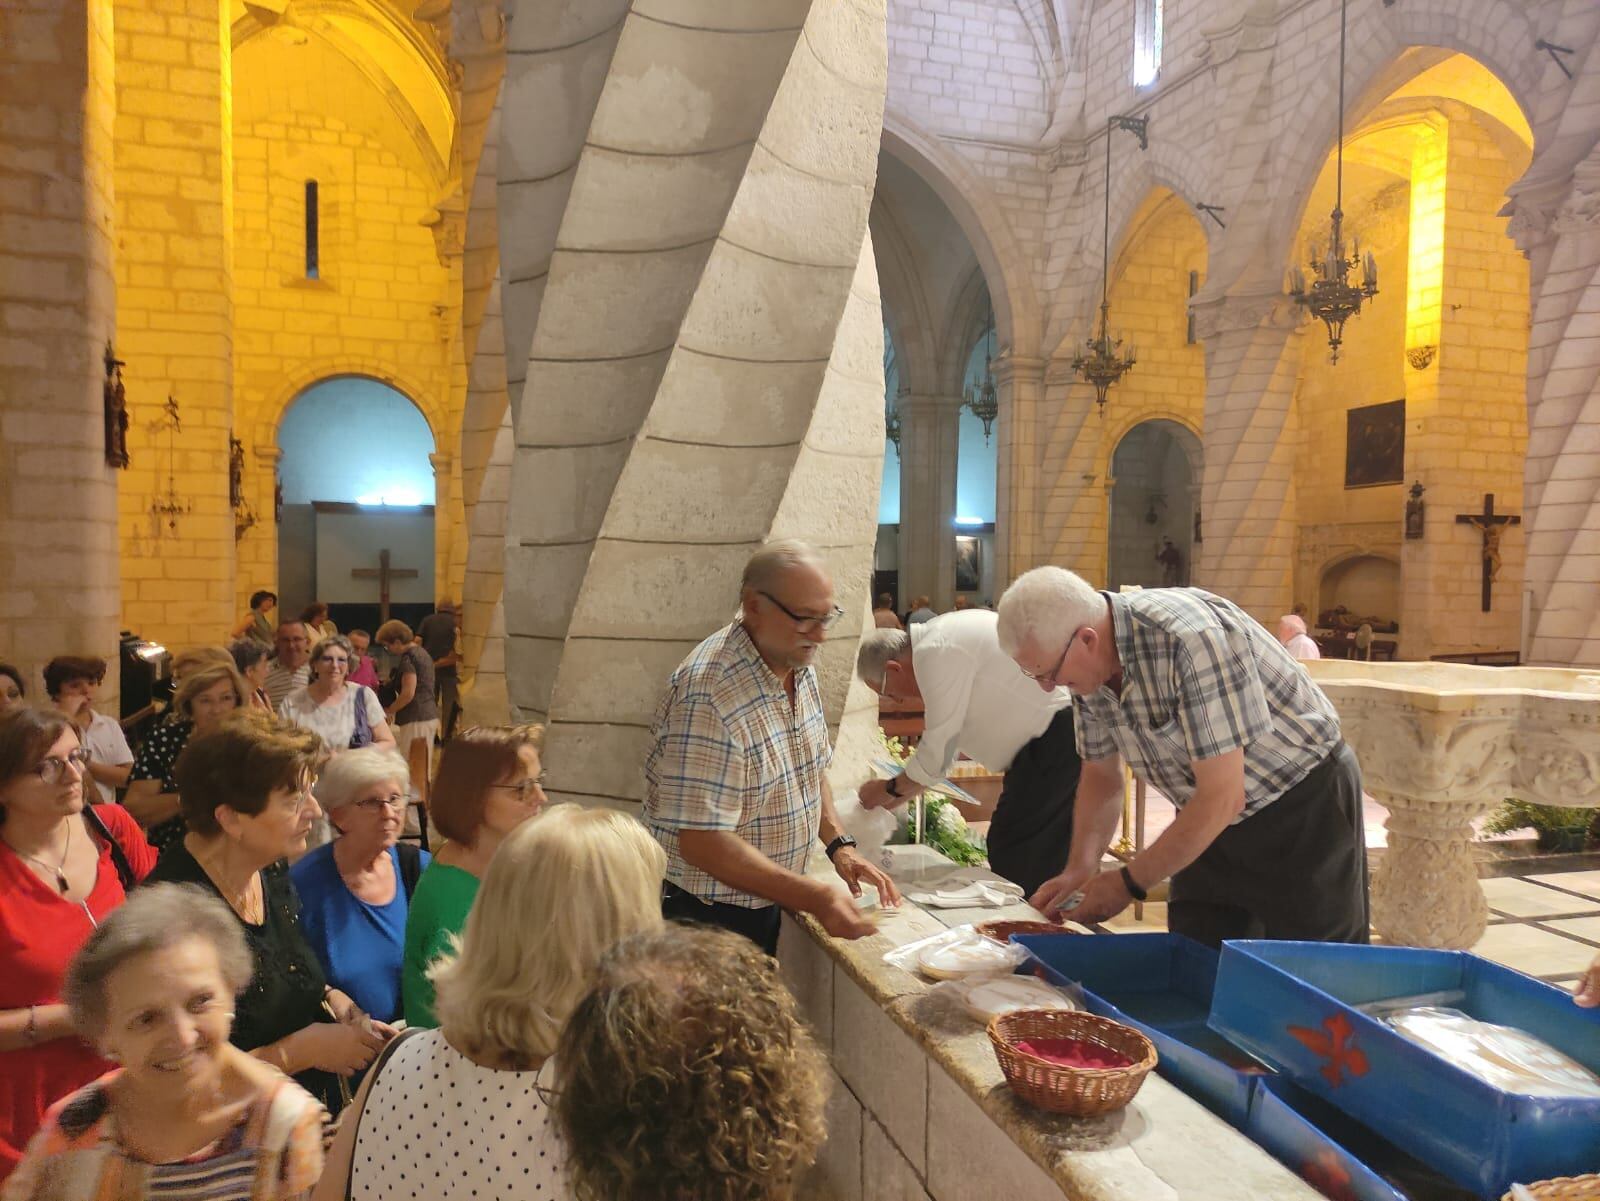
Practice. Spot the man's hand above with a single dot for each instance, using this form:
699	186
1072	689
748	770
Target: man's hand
840	917
1588	990
1057	889
874	794
855	870
1104	896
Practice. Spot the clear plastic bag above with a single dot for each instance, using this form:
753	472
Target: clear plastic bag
1504	1056
957	952
985	996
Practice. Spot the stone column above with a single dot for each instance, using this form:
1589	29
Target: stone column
1075	477
59	583
1019	386
174	177
929	435
444	524
1247	512
694	347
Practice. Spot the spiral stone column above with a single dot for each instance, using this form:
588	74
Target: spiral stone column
693	343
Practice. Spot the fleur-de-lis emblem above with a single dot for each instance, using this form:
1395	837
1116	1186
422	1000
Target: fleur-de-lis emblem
1337	1046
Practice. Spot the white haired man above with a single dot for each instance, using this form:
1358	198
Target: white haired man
977	703
1207	706
735	783
1292	633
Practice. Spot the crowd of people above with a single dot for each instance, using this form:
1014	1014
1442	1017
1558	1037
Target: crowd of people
244	982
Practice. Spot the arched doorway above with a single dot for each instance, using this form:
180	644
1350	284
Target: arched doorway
356	481
1155	474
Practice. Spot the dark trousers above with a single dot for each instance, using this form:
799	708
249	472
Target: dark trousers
447	692
1294	870
1031	833
760	926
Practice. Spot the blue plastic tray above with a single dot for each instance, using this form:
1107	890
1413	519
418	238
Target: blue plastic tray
1292	1005
1161	985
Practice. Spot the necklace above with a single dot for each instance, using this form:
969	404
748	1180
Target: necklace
60	870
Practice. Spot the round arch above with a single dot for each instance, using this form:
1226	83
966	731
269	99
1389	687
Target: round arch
317	425
310	374
1364	581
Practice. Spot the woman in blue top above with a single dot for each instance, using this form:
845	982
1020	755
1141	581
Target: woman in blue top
355	891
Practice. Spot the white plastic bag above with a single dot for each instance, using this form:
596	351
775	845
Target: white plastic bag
1503	1056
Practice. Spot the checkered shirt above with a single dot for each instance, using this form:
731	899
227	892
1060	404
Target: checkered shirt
1200	677
731	753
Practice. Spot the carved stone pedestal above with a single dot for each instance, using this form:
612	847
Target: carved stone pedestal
1426	892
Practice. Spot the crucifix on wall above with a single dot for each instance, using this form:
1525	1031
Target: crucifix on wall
383	573
1493	527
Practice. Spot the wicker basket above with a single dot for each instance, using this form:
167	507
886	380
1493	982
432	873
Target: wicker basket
1564	1188
1082	1092
1001	931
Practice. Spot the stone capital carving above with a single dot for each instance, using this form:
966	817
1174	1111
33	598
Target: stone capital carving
1010	369
1226	314
269	456
441	463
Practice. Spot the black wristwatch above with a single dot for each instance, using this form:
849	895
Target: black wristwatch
890	786
833	848
1132	885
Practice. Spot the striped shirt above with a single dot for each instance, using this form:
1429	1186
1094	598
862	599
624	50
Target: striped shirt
1200	678
731	753
273	1153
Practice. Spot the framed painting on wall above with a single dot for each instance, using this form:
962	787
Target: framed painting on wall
969	562
1375	445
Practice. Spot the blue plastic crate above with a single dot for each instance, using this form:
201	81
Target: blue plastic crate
1161	985
1292	1005
1293	1127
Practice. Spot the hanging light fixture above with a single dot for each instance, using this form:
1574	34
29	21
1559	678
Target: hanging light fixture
981	396
1105	362
1334	297
891	424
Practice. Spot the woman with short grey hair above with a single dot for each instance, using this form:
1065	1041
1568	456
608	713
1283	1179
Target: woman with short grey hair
154	988
355	892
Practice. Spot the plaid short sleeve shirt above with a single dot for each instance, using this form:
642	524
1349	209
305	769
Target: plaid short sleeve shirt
731	753
1200	678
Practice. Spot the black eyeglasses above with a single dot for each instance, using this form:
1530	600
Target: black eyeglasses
1054	672
374	804
51	770
801	620
524	788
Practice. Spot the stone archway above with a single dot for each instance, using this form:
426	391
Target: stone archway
1155	486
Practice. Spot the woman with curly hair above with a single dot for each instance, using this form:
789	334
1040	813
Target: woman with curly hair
688	1072
460	1110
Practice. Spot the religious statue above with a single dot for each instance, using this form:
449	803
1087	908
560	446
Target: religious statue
116	412
235	472
1171	560
1414	511
1491	546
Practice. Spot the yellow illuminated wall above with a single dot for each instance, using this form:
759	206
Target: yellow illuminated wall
1425	254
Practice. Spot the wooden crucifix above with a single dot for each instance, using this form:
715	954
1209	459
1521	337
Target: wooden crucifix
1492	526
383	573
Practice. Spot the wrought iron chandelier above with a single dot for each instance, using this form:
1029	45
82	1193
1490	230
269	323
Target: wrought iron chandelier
1106	362
891	424
1334	297
981	396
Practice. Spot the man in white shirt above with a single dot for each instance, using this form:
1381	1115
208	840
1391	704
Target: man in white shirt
1292	633
293	667
976	702
72	681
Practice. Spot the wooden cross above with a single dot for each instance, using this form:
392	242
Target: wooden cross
1492	526
383	573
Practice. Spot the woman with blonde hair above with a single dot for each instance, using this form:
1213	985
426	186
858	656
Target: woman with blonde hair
489	783
206	695
459	1108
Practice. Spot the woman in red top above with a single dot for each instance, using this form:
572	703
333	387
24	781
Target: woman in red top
62	868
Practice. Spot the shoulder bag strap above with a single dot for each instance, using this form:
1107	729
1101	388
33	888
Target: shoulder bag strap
119	858
410	867
372	1072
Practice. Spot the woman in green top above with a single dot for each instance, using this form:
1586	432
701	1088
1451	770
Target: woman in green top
255	624
488	784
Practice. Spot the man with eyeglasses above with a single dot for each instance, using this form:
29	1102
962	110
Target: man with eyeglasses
976	702
1206	705
736	785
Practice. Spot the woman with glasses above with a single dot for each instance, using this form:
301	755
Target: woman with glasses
460	1111
355	891
488	785
64	865
342	714
246	793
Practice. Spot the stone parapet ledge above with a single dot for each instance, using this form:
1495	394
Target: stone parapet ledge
944	1126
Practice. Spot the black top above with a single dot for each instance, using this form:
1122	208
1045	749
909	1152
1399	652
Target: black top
286	982
157	756
437	633
423	706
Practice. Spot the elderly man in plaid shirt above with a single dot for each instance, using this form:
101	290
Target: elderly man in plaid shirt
1206	705
736	784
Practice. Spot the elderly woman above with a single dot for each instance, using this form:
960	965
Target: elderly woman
187	1116
362	669
355	891
64	865
342	714
254	662
246	793
459	1107
12	694
207	695
688	1072
315	619
488	784
255	624
72	681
